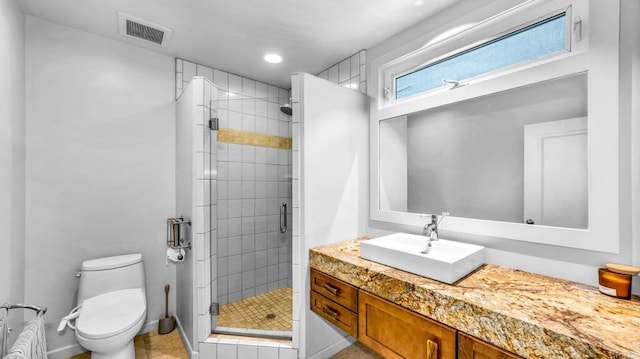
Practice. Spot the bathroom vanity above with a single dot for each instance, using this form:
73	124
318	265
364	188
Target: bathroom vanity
495	312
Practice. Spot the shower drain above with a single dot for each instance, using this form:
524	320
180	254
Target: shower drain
270	316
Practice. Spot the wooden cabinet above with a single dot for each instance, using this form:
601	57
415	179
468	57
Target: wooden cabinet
391	330
474	348
396	332
336	301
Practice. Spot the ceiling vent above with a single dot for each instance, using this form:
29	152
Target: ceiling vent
144	30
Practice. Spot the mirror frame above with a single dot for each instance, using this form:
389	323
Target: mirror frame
602	67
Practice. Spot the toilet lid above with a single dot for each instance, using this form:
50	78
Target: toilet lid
111	313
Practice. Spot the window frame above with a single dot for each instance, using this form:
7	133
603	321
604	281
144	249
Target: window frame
464	37
487	41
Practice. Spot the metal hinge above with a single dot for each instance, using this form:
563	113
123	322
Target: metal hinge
214	309
213	123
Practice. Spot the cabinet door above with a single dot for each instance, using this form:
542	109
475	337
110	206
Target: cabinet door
396	332
473	348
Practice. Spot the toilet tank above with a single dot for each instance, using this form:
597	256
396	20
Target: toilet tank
102	275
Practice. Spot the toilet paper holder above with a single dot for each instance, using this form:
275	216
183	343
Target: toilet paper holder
173	233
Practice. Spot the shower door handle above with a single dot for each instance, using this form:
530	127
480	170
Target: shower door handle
283	218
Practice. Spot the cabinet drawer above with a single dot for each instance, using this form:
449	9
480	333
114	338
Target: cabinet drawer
335	289
340	316
396	332
473	348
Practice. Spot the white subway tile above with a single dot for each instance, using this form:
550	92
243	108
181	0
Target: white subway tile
199	243
248	351
273	110
297	300
295	226
227	351
188	70
235	153
179	65
248	207
355	65
273	127
295	165
283	129
296	334
297	116
248	122
261	189
235	171
262	108
207	271
324	75
355	83
204	71
200	278
333	74
235	120
344	70
248	87
267	352
363	55
248	188
249	106
234	208
248	154
288	353
221	79
283	96
235	84
273	94
261	90
208	351
222	190
261	154
363	72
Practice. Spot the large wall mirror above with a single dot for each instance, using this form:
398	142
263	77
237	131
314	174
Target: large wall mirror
531	155
519	156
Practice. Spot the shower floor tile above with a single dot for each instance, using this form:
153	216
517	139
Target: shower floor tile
257	312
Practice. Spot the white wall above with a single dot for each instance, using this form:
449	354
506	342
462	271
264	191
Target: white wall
572	264
100	164
329	191
12	158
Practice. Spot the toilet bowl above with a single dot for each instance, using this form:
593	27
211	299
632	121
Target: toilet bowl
112	306
107	323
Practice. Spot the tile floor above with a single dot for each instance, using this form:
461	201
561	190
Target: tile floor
254	312
153	346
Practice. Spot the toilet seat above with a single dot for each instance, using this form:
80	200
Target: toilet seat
111	313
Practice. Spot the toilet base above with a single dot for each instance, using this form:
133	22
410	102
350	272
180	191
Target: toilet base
127	352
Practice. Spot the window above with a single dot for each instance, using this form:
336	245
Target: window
541	39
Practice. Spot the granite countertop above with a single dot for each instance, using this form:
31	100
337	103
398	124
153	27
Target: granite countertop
532	315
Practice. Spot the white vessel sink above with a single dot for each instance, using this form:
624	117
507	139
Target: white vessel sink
447	261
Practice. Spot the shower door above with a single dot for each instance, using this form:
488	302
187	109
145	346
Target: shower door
253	242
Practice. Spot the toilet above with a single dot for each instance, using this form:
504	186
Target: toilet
112	306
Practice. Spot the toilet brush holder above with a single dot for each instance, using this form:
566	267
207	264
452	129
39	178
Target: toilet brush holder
167	323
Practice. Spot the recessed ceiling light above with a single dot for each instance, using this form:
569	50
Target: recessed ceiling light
418	2
273	58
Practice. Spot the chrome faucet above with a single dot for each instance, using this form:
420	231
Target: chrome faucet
431	230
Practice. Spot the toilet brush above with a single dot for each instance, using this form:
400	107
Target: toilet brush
166	323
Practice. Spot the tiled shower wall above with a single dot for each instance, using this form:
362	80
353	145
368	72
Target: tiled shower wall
252	255
350	72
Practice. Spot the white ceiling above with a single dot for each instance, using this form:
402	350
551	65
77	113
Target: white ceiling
233	35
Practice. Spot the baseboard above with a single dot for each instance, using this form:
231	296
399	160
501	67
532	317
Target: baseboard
334	348
187	345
